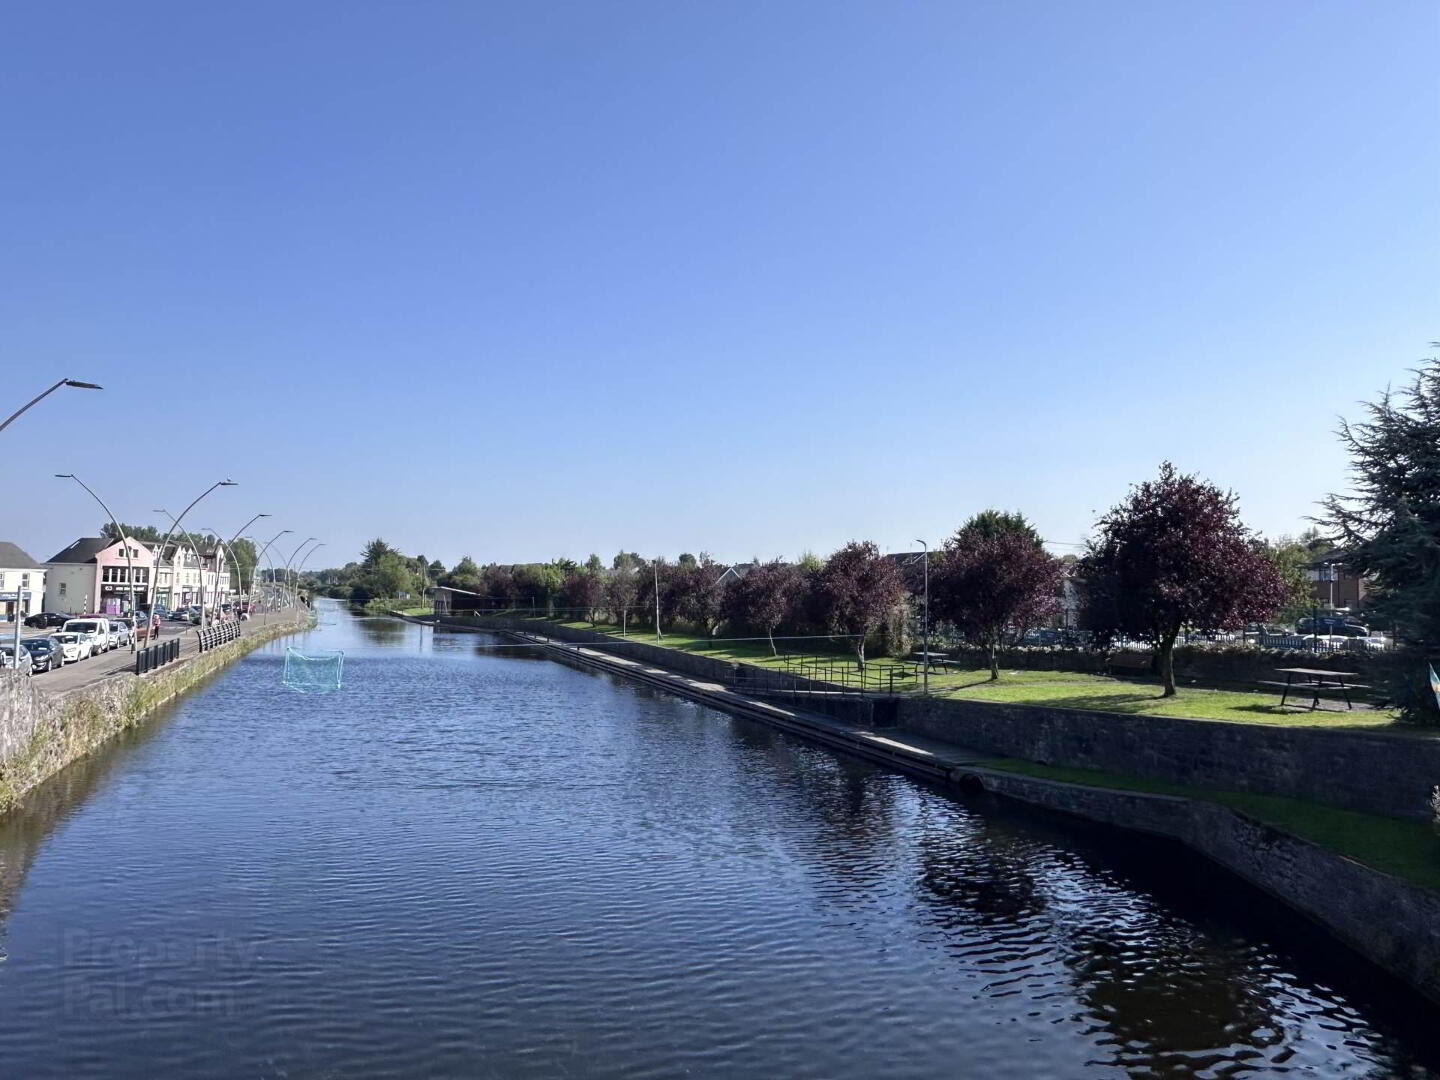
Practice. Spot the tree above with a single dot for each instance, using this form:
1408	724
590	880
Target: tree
1174	553
765	597
146	534
584	590
620	592
374	551
700	592
994	576
1390	527
857	588
1292	556
464	575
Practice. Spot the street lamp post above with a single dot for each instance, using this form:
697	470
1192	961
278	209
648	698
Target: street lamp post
120	536
41	396
266	548
298	569
655	567
230	546
290	560
212	487
229	554
925	667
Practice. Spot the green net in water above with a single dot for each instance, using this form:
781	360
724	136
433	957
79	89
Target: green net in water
313	674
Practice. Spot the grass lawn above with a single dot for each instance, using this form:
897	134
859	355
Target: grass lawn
1066	689
1407	849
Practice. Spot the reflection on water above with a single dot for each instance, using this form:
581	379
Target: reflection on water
478	862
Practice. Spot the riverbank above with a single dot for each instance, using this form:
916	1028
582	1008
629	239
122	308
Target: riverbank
41	731
1370	880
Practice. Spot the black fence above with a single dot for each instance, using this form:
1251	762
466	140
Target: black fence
157	655
213	636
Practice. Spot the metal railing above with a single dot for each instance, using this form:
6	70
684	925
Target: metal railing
157	655
214	636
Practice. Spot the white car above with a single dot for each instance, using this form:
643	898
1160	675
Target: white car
99	629
76	646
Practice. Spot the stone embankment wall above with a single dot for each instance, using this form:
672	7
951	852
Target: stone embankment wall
1370	772
1393	923
41	733
1373	773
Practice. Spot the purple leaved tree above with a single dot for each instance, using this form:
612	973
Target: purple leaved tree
858	589
994	579
1174	553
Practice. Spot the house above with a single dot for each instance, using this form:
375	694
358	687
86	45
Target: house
1334	587
93	575
184	574
20	573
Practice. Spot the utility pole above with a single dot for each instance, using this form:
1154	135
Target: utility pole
925	667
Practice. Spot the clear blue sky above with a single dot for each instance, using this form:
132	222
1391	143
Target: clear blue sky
531	279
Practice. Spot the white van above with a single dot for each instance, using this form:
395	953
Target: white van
100	628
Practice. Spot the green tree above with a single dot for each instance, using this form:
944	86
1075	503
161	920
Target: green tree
147	534
1389	527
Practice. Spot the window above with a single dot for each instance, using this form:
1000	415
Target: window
63	590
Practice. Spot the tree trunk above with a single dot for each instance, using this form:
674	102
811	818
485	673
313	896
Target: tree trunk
860	652
770	633
994	661
1167	663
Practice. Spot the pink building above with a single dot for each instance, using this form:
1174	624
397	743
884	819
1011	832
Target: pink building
93	574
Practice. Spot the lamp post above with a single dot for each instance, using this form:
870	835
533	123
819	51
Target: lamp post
212	487
655	568
174	524
44	394
119	536
292	559
266	548
299	568
925	667
229	553
230	546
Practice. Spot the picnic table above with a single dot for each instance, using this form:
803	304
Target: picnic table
1317	681
929	659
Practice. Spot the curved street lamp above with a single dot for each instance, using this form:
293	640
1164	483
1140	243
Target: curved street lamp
292	559
298	569
229	552
120	537
44	394
212	487
230	547
266	548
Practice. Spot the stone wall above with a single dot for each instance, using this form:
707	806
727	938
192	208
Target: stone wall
41	733
1374	773
1393	923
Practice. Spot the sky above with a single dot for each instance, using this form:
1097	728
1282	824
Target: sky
526	280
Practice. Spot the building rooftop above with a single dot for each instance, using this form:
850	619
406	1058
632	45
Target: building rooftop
14	557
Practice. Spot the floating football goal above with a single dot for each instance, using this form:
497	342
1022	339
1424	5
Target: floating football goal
313	674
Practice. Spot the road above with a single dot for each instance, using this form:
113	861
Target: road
85	672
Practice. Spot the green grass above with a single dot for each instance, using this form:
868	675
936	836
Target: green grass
1061	689
1406	849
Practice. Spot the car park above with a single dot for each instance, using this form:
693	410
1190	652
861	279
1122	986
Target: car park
10	662
77	646
98	627
44	620
45	653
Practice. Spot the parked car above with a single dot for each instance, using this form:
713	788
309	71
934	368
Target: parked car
9	661
1339	625
45	653
121	632
96	626
77	646
180	615
43	620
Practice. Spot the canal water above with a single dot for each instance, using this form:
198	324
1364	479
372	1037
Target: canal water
473	862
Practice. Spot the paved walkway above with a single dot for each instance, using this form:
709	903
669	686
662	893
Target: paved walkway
88	672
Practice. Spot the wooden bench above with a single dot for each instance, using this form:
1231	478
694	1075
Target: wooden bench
1132	662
